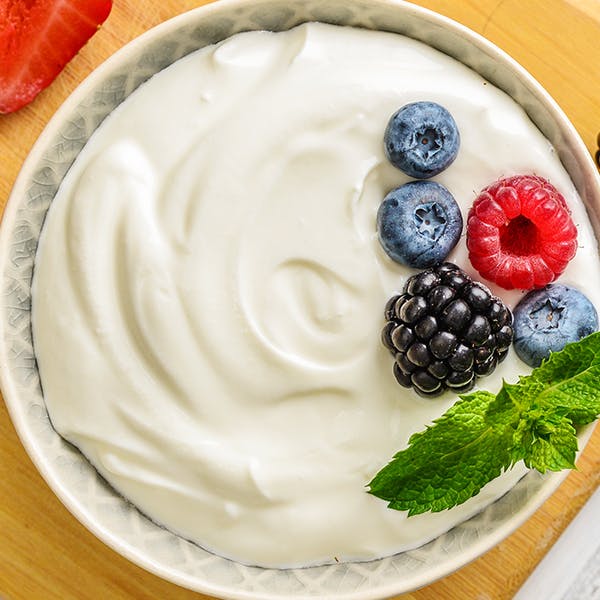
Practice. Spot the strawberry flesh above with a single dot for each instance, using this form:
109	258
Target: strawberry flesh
37	39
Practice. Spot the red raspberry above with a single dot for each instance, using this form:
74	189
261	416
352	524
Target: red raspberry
520	233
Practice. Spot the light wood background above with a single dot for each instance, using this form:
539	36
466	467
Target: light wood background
46	554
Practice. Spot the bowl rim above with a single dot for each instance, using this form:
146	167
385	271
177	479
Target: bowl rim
10	393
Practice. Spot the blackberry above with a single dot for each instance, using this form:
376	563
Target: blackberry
445	330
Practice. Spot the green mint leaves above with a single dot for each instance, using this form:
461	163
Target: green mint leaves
484	434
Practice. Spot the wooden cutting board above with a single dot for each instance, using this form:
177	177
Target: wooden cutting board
46	554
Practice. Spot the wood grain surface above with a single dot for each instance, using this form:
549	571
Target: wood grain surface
46	554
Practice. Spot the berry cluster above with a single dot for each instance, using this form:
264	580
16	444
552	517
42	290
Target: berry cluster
420	222
445	330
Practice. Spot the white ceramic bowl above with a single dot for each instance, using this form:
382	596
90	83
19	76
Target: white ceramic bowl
82	490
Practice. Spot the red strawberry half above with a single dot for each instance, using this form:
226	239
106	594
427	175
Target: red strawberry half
520	233
37	39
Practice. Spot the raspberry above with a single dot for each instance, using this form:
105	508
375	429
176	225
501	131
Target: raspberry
520	233
445	330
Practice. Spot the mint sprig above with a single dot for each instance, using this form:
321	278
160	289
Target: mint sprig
484	434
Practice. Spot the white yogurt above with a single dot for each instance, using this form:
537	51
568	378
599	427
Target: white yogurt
209	289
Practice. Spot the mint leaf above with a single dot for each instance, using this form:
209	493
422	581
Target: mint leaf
571	379
448	462
484	434
547	442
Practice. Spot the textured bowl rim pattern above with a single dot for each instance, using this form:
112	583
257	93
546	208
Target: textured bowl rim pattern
86	495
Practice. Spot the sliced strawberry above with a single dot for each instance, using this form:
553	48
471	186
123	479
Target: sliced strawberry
520	233
37	39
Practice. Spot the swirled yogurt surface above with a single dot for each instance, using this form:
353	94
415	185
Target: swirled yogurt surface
209	289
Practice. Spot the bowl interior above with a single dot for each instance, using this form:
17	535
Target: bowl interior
84	492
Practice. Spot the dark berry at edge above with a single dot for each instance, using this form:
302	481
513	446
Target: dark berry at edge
445	330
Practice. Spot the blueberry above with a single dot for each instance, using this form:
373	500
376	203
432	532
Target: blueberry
421	139
547	319
419	223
